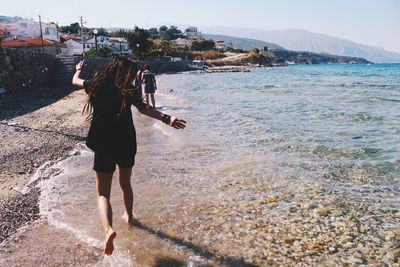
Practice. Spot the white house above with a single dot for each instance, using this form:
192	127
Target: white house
30	29
74	47
192	33
119	45
220	45
181	42
102	41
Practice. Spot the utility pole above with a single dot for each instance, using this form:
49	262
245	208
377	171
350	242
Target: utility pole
41	32
95	38
83	42
58	37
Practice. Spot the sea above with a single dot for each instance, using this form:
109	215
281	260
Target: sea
334	125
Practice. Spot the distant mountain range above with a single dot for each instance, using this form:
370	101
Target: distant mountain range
242	43
300	40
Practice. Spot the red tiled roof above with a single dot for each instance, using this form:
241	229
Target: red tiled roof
31	42
70	36
117	39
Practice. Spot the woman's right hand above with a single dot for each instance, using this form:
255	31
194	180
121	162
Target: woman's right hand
80	65
75	79
177	123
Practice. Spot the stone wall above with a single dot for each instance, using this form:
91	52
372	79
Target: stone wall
166	66
94	63
20	69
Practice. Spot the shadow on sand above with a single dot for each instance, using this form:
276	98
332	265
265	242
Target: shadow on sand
24	128
198	250
168	262
20	102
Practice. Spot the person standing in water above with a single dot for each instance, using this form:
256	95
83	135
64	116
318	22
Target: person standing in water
150	85
112	134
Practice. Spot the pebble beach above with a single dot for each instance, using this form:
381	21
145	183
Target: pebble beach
247	183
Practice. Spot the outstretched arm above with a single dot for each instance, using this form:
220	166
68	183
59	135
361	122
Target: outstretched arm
76	80
155	114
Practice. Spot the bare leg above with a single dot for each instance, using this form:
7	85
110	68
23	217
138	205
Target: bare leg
125	183
147	99
153	101
103	184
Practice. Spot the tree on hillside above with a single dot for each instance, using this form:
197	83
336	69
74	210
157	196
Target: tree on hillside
173	33
202	45
254	52
154	34
74	28
100	52
163	31
120	33
165	46
100	32
138	41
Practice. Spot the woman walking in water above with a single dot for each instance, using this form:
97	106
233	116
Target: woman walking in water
112	135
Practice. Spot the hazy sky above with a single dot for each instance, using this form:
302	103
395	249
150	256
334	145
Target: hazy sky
370	22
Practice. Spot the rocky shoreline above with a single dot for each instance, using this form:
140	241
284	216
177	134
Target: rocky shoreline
244	221
242	62
313	226
36	126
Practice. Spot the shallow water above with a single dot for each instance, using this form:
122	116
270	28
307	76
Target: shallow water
334	125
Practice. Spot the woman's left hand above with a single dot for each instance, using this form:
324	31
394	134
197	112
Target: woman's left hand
177	123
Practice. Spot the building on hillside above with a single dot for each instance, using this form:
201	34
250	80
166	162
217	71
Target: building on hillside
35	44
220	45
192	33
181	42
73	47
119	45
102	41
73	43
30	29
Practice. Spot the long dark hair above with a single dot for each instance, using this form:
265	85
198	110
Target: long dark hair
119	74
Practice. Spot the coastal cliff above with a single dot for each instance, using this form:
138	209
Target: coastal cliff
281	57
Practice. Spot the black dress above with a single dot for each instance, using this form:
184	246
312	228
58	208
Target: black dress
111	130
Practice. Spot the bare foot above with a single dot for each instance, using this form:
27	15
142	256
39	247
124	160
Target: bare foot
131	220
109	248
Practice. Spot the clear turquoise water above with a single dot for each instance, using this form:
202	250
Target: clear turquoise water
335	126
335	122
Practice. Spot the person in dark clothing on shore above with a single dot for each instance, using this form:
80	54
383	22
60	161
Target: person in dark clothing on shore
150	85
112	134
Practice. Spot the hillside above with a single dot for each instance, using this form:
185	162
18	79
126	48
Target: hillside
243	43
300	40
280	56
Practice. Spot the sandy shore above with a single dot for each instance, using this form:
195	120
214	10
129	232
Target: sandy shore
243	221
36	127
42	126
